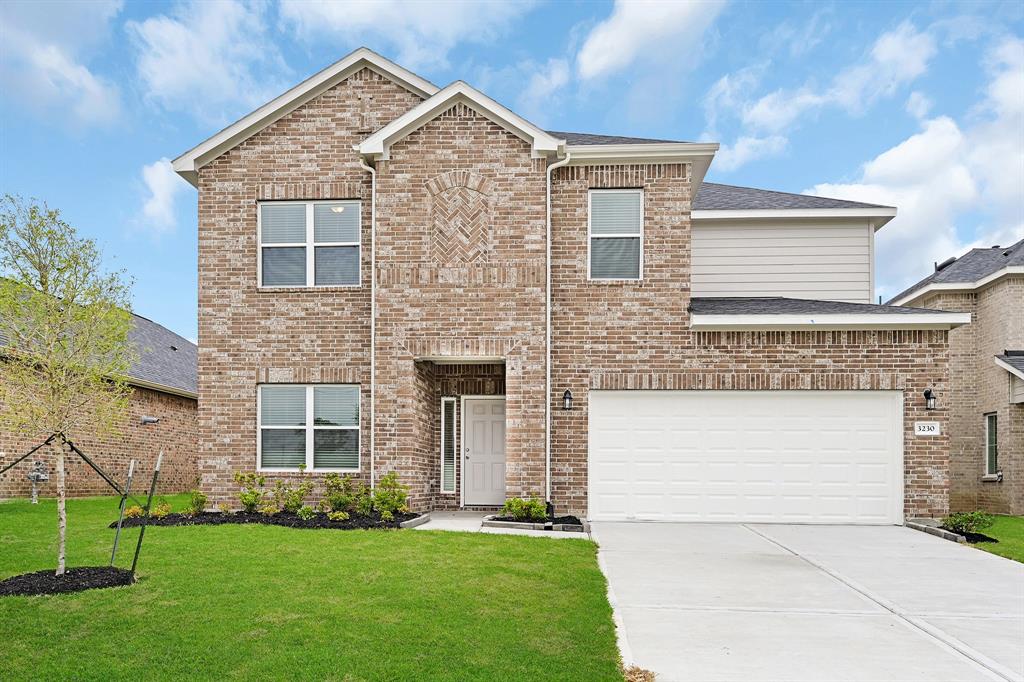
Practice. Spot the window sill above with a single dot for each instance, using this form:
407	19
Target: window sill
990	478
297	289
261	470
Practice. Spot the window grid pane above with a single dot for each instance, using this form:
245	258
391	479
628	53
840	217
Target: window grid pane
992	444
283	448
336	405
336	222
284	266
615	213
448	447
283	223
283	406
336	449
336	265
615	258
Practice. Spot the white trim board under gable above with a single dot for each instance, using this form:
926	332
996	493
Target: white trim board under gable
959	286
827	321
1010	368
188	164
379	144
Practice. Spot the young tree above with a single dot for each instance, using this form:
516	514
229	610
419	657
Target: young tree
64	326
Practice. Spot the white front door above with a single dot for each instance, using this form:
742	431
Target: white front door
483	440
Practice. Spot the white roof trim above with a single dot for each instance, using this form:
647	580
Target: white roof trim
379	144
1010	368
699	154
160	387
705	322
879	216
960	286
188	164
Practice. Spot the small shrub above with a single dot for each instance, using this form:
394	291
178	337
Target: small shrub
521	509
290	499
251	495
306	512
162	509
133	512
268	509
389	496
224	508
343	493
364	507
968	522
197	502
338	515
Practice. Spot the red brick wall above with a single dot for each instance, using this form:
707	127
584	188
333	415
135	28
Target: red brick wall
176	434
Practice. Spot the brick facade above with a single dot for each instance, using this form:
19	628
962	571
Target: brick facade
461	268
176	434
979	387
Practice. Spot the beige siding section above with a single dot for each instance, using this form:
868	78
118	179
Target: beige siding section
830	261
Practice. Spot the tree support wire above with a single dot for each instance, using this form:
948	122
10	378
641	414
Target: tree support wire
29	453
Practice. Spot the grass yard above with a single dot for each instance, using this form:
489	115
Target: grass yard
265	602
1009	530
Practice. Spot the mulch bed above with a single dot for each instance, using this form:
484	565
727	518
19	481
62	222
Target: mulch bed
73	580
567	520
280	519
975	538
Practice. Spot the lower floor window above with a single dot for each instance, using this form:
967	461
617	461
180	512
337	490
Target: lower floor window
448	449
314	427
991	444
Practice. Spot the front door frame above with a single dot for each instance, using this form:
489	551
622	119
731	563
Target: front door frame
462	439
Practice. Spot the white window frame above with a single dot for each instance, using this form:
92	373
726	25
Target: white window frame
591	237
988	417
309	245
310	428
455	449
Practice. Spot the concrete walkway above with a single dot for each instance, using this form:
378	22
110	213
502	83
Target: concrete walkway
811	603
472	522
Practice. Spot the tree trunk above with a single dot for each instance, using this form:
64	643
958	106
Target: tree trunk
62	515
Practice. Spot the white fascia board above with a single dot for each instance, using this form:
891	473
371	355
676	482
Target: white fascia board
1010	368
877	216
827	322
188	164
160	387
655	152
378	145
960	286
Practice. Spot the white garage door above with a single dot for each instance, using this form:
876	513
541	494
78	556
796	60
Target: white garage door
750	456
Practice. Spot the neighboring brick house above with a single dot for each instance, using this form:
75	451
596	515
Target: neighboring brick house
394	276
164	382
986	392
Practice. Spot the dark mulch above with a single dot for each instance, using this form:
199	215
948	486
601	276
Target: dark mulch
975	538
73	580
279	519
568	520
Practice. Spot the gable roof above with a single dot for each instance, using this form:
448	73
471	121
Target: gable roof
1012	361
166	361
970	270
379	144
590	139
188	164
713	196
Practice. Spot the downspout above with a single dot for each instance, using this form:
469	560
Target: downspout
373	316
547	345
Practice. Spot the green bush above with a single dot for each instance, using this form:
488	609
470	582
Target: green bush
290	499
133	512
306	512
268	508
968	522
162	509
521	509
343	493
338	515
196	503
365	506
390	496
251	495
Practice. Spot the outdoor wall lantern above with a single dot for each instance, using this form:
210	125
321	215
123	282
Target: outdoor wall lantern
150	420
567	400
929	399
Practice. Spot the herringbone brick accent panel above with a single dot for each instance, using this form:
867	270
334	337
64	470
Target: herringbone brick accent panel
460	218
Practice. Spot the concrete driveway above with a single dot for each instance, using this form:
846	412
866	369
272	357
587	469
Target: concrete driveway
705	602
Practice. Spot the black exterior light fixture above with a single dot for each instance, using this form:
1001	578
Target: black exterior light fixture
929	399
567	400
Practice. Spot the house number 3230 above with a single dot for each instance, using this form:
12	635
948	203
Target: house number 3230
927	429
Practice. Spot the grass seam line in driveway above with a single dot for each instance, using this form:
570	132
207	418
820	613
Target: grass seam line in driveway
620	625
952	643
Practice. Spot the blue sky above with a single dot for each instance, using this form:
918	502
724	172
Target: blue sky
920	105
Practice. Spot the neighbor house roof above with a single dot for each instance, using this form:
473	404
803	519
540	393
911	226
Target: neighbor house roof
795	313
975	268
166	361
1012	361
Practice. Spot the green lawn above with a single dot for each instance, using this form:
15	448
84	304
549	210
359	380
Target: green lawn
1009	530
265	602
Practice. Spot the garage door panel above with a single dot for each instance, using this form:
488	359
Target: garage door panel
781	456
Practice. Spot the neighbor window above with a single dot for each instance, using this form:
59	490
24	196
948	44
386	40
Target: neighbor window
316	427
311	243
991	444
616	233
448	449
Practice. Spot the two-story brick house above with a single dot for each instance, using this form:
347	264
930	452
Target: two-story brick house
394	276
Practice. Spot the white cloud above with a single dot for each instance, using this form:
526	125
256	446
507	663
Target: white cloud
651	30
422	32
946	174
746	149
163	185
43	56
918	105
213	60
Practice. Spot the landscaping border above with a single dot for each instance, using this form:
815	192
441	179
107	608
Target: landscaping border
491	522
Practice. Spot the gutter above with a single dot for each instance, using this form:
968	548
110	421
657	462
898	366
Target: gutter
373	316
162	388
783	322
958	286
547	343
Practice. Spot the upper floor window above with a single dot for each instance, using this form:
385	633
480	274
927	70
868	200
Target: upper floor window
315	427
309	243
991	444
616	234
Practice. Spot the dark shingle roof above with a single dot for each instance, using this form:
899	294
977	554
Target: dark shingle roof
974	265
715	197
1014	358
164	358
796	306
588	138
